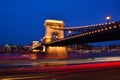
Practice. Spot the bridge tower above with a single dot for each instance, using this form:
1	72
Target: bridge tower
52	33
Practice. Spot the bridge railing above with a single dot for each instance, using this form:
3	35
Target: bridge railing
90	28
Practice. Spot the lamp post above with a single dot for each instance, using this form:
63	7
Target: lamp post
108	19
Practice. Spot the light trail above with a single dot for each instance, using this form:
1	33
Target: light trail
37	63
74	71
26	76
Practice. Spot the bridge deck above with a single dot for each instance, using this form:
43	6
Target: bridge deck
106	33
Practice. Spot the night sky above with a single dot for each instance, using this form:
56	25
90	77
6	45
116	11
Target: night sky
21	21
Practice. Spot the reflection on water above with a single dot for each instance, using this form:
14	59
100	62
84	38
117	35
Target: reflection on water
47	63
51	64
41	60
33	56
56	56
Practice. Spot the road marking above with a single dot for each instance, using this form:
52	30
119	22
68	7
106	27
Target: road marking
26	76
19	78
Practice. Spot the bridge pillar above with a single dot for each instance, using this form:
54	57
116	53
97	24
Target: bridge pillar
34	45
52	33
56	52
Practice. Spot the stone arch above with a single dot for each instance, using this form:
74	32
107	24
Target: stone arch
54	36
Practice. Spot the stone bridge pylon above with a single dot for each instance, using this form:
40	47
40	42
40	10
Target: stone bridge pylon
52	34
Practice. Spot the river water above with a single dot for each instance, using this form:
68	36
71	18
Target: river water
20	60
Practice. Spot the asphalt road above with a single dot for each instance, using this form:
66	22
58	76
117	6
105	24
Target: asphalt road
97	74
109	70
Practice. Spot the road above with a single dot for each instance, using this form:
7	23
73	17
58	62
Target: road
112	73
107	68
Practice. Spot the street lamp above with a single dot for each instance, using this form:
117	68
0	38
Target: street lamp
69	33
108	19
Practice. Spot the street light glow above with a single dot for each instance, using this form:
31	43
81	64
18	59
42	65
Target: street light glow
108	17
69	32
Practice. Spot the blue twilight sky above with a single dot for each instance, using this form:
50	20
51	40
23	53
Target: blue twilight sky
21	21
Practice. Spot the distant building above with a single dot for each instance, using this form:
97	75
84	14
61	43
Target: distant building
6	48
